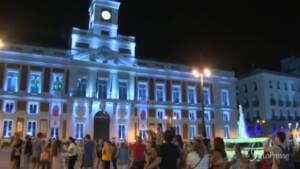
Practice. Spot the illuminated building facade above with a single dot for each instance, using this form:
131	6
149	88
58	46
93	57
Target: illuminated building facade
270	101
100	87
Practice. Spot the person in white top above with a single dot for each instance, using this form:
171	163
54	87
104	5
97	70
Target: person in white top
72	153
197	158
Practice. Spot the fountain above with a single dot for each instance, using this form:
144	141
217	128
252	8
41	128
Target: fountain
242	133
244	141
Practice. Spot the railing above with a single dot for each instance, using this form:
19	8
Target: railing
37	50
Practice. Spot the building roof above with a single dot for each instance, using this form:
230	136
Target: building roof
266	71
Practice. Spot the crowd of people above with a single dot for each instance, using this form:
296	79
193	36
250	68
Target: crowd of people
165	151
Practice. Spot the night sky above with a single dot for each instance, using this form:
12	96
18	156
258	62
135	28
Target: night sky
237	36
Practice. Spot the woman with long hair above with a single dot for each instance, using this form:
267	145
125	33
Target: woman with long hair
56	150
197	158
235	162
219	157
106	155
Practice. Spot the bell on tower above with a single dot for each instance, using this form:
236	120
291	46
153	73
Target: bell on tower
104	17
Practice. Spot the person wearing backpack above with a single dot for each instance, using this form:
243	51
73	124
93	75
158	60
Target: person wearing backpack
280	156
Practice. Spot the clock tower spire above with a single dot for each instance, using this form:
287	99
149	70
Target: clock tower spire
104	17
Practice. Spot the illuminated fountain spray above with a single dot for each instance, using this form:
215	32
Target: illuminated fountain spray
242	133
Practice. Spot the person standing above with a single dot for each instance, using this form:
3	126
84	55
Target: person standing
123	156
88	153
15	156
99	147
36	151
198	158
150	153
72	153
45	158
56	155
138	156
106	155
27	152
114	153
235	162
219	157
168	154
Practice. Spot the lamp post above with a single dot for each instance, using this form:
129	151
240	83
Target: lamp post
200	75
169	121
261	123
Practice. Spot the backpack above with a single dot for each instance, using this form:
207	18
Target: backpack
285	161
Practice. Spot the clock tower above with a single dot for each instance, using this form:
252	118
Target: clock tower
104	17
102	34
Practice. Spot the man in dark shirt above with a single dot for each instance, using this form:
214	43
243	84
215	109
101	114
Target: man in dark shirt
168	154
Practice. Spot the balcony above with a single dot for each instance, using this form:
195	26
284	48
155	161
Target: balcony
282	118
255	103
273	102
280	103
295	103
274	118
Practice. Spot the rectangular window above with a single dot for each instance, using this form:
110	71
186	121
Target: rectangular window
207	116
35	83
192	115
207	96
177	129
102	88
226	131
12	81
226	116
31	127
125	51
159	92
208	131
122	90
79	131
177	115
176	94
224	97
142	91
143	134
122	130
32	107
82	45
9	106
160	114
57	83
7	128
191	95
192	132
54	133
81	87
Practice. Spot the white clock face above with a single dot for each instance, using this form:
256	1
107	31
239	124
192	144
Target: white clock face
106	15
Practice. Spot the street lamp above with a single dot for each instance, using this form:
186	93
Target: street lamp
261	123
1	44
201	74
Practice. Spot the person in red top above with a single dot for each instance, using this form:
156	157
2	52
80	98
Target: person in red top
138	156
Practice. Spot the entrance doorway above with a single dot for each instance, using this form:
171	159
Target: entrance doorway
101	126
